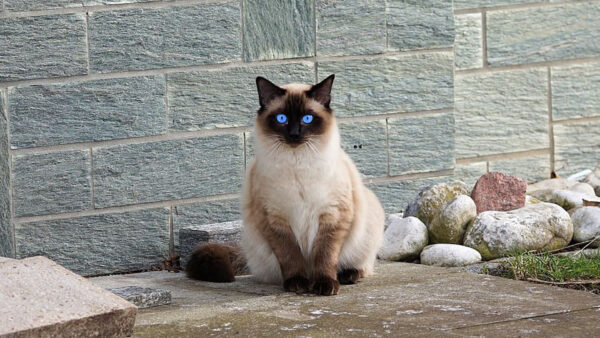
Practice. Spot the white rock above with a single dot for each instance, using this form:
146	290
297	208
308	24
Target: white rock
449	225
449	255
580	176
550	184
583	188
571	199
586	223
404	238
593	179
391	218
541	226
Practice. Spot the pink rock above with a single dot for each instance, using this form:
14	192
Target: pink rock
500	192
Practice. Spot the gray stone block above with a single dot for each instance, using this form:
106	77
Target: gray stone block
463	4
468	43
543	34
470	173
249	140
176	169
402	83
531	169
42	47
395	195
576	91
51	183
143	297
421	143
6	230
576	147
42	299
99	244
350	27
366	143
278	29
87	111
174	36
36	5
415	24
225	97
501	112
192	236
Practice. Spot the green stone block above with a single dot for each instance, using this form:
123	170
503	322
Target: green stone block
42	47
278	29
576	91
549	33
100	244
45	115
6	230
416	24
401	83
421	143
225	97
366	144
350	27
531	169
501	112
51	183
395	195
468	44
576	147
136	39
36	5
470	173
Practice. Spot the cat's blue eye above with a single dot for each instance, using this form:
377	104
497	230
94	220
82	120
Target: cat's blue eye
307	119
281	118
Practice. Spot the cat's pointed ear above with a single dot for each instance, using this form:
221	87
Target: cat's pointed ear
267	91
321	92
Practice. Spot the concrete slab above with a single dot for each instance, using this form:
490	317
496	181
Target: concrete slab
143	297
39	298
400	300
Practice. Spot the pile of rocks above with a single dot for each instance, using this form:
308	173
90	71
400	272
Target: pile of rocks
450	225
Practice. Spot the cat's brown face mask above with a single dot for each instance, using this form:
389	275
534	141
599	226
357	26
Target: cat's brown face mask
294	114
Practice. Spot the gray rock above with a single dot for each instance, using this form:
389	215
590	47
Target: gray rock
586	224
531	169
550	185
403	239
366	143
515	100
583	188
468	44
485	268
391	218
580	176
571	199
28	52
100	244
415	148
542	226
278	29
593	179
449	255
530	35
143	297
449	225
192	236
404	83
45	115
176	169
135	39
396	195
350	27
575	91
51	183
430	200
576	146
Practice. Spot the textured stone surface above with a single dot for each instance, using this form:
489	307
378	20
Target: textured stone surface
87	111
6	230
429	200
136	39
350	27
278	29
550	184
28	52
191	236
143	297
463	4
166	170
501	112
225	97
42	299
404	238
569	199
531	169
36	5
416	24
400	83
51	183
449	225
366	143
470	173
542	226
468	43
498	191
543	34
395	195
449	255
586	224
593	179
576	91
421	143
576	146
100	244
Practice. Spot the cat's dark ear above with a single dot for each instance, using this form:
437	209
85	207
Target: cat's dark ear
267	91
321	92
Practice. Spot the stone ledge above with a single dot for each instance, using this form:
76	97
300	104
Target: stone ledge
191	236
143	297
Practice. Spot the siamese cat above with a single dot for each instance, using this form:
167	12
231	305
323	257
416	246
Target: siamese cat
309	221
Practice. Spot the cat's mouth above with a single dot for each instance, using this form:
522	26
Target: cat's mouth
295	141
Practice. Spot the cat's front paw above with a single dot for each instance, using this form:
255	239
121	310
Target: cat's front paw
325	286
297	284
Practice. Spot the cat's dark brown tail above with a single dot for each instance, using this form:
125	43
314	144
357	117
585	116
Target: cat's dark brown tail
213	262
